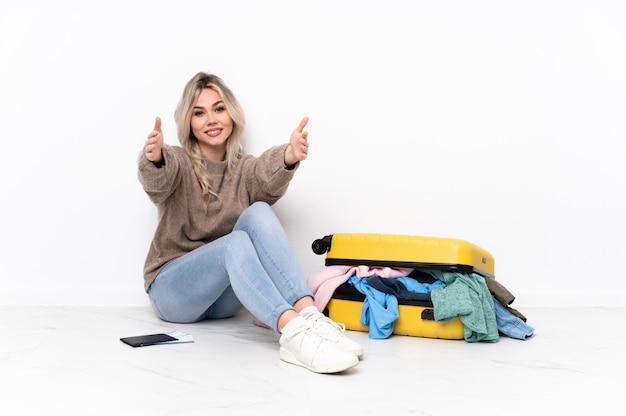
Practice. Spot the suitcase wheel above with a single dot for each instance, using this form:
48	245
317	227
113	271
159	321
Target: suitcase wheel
322	245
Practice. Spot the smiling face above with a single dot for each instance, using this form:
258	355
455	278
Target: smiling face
211	124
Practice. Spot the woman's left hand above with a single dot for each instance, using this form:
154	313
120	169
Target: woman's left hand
298	144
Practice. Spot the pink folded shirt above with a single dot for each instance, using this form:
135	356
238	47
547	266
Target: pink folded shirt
324	283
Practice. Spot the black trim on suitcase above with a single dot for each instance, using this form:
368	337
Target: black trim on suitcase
461	268
348	292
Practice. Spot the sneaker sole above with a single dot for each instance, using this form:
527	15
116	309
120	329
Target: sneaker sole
286	356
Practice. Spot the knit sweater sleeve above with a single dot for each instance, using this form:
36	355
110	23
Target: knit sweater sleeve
159	181
267	177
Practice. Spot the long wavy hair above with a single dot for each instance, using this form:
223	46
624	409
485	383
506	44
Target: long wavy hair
182	115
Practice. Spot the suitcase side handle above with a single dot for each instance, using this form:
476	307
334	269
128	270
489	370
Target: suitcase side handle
322	245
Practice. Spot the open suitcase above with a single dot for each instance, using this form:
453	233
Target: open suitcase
416	317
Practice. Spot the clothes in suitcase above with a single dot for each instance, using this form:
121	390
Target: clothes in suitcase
420	257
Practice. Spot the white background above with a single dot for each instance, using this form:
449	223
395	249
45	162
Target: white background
497	122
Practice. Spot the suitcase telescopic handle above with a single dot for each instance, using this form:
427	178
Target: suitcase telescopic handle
322	245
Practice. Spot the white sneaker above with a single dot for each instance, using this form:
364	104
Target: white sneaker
306	348
333	331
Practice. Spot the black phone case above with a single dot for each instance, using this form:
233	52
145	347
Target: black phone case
145	340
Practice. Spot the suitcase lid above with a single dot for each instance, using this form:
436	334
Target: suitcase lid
396	250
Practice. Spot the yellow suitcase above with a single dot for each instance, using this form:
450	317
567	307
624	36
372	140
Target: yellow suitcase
416	317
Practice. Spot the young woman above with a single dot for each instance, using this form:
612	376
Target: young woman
218	246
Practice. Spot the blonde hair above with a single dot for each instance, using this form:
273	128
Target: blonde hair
182	115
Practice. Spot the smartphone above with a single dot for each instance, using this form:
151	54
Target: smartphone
145	340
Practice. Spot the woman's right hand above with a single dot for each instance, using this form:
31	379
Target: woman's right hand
154	144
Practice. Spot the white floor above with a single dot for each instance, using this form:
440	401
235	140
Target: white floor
69	360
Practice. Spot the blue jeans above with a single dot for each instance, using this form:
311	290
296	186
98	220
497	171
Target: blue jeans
253	267
510	325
